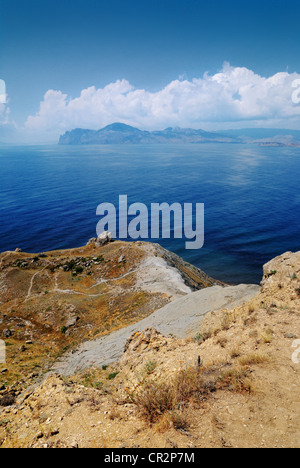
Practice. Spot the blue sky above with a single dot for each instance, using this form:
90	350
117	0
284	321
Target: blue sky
66	47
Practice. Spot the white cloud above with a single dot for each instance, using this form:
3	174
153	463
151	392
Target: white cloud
4	110
5	120
233	95
2	92
8	127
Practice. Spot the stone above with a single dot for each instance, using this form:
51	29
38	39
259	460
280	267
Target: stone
290	336
104	238
7	333
71	322
92	241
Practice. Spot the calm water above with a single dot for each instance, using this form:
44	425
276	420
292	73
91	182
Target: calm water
49	197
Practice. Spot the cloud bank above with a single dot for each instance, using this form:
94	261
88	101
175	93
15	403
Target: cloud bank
4	111
234	95
7	125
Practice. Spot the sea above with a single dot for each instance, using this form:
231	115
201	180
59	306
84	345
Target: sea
251	194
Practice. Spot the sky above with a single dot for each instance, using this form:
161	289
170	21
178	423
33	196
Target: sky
148	63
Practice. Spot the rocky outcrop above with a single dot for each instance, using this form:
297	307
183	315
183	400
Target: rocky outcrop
101	240
281	270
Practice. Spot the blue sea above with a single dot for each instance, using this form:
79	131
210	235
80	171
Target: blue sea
49	196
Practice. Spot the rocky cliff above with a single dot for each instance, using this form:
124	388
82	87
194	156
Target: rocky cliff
53	301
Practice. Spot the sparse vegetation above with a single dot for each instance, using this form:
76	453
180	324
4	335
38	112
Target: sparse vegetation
235	352
158	393
112	376
236	379
253	358
267	336
150	367
156	399
202	337
222	341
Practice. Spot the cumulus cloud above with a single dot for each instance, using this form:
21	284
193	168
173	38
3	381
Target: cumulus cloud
5	119
235	94
2	92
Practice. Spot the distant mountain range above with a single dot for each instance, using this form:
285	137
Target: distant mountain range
119	133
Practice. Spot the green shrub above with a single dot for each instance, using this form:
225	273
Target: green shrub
112	376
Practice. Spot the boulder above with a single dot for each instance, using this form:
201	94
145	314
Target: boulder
7	333
104	238
71	322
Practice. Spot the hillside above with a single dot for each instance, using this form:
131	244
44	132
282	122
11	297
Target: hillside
118	133
52	301
231	380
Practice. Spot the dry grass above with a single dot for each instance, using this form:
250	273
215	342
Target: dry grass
267	336
156	398
163	401
114	413
222	341
227	319
237	380
253	359
173	419
235	352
